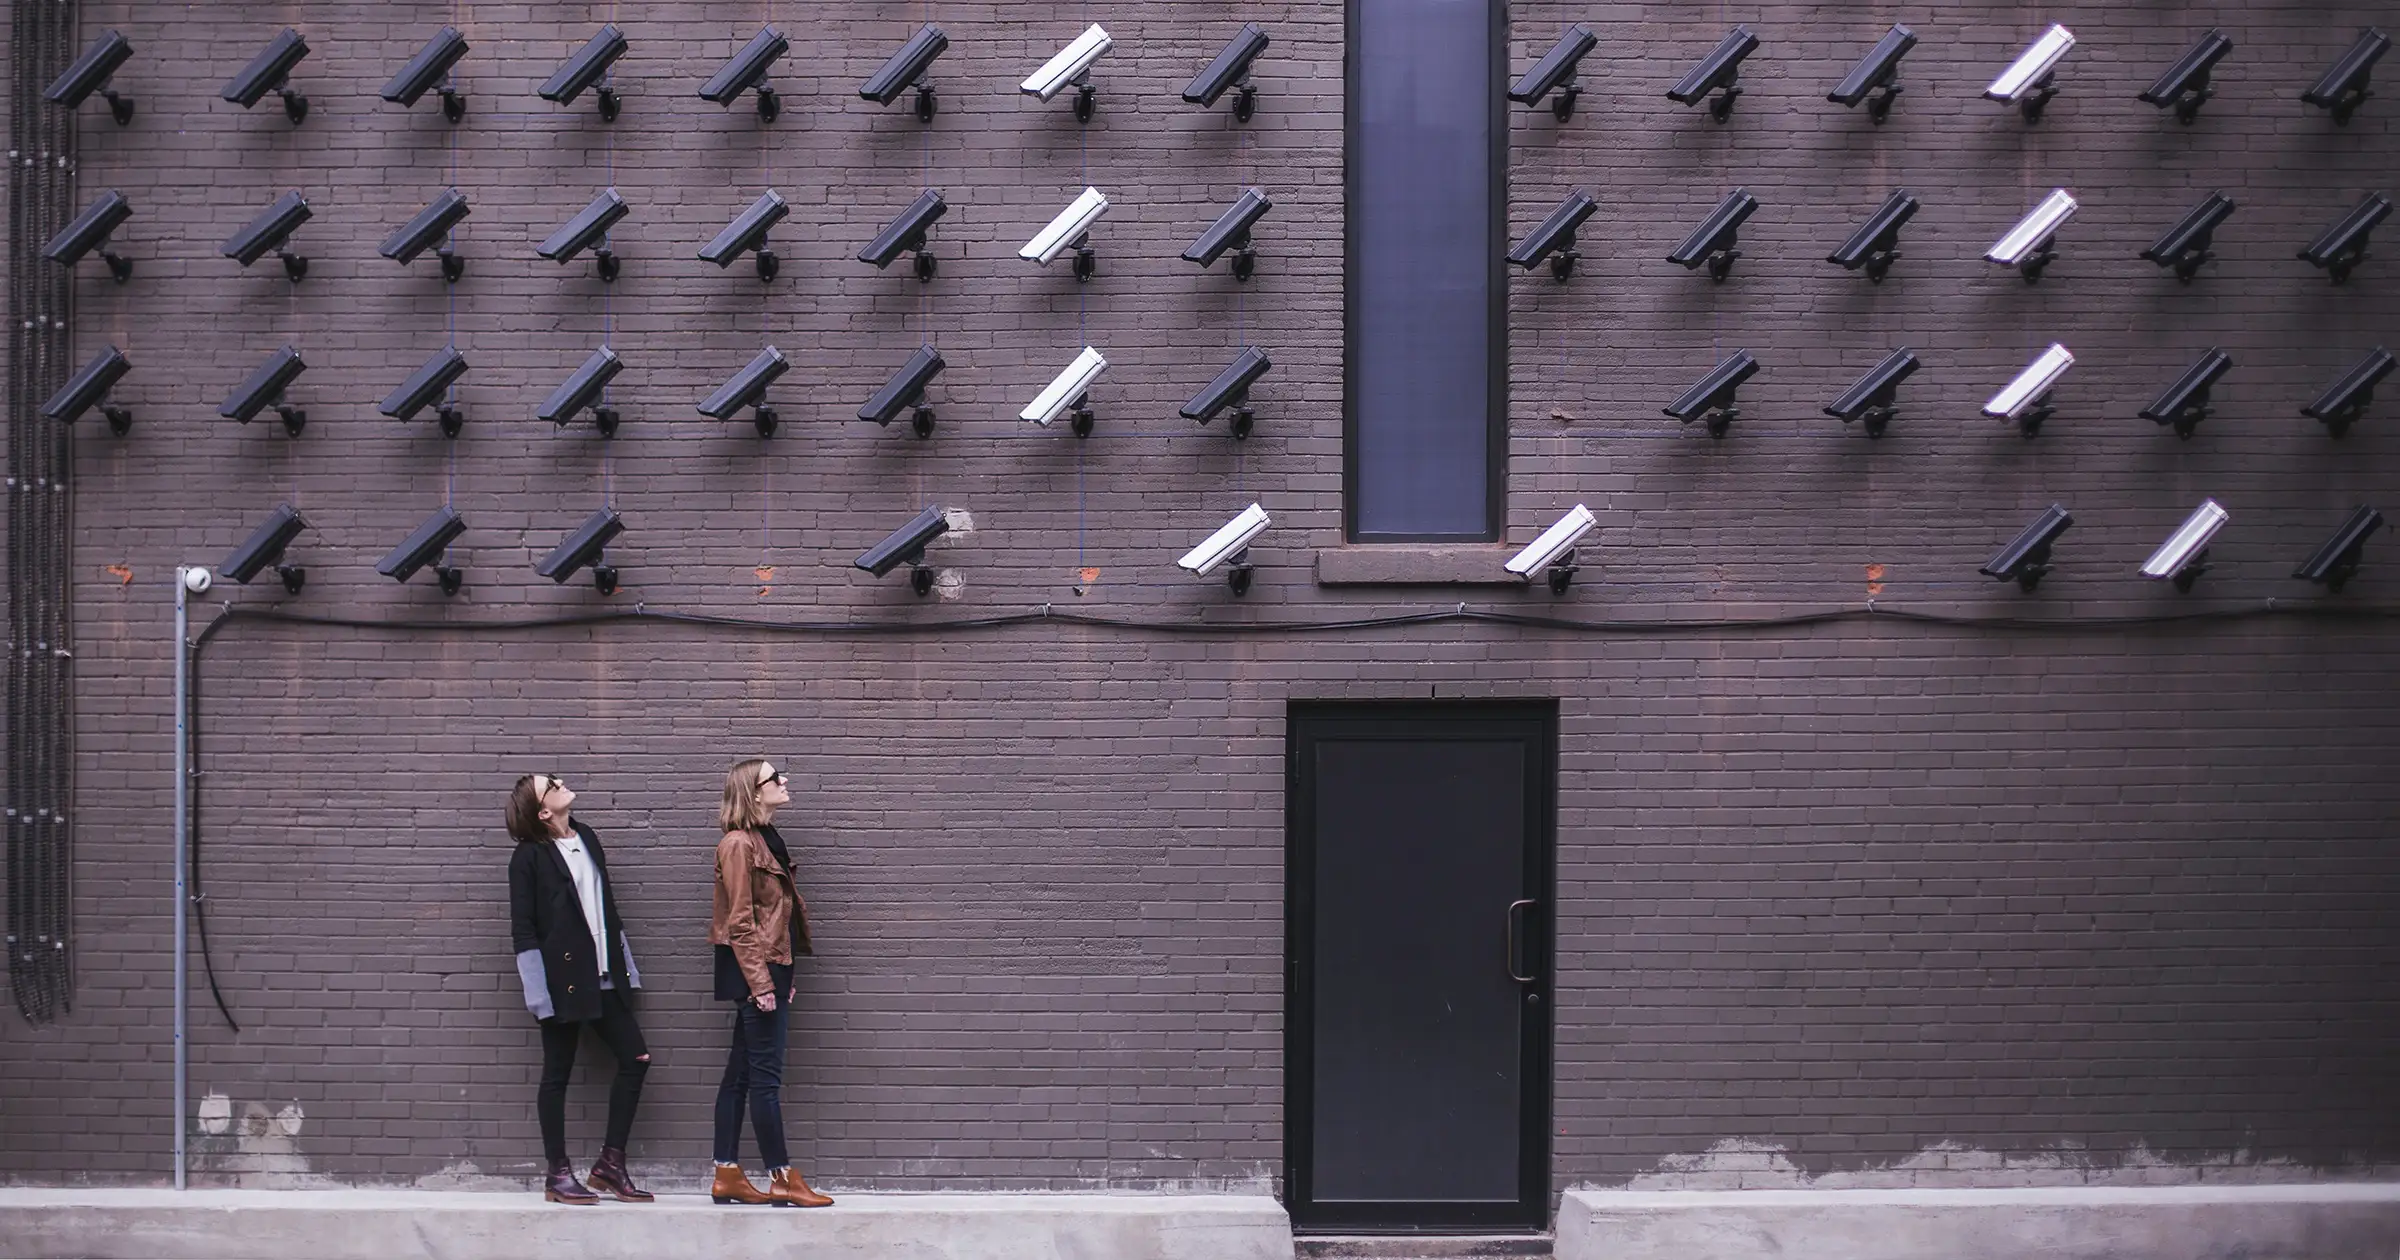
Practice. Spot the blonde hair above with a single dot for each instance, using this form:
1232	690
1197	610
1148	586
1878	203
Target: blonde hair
740	810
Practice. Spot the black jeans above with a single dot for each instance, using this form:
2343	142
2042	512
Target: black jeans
754	1074
617	1027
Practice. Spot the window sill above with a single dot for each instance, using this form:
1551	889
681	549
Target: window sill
1415	564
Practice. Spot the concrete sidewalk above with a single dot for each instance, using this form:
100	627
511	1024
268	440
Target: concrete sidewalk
470	1225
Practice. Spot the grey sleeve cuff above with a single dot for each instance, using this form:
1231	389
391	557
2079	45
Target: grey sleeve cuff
536	980
633	971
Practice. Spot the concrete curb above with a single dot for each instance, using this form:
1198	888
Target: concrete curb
468	1225
2354	1221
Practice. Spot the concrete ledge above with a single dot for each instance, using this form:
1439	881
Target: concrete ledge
2353	1221
1415	564
468	1225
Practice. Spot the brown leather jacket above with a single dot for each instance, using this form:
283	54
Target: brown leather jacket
759	915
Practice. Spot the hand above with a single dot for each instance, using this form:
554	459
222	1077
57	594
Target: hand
764	1001
794	995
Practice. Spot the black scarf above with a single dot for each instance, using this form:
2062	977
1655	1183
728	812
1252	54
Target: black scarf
774	841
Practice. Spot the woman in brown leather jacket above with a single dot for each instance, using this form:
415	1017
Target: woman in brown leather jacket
760	925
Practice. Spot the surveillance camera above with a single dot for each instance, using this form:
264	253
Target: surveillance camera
1230	389
271	71
1877	75
1231	231
1876	243
89	386
1230	70
264	388
906	69
906	545
1556	236
748	232
2344	245
2184	87
1554	550
2028	83
2185	247
1073	64
1712	399
427	230
1067	390
748	70
90	74
265	547
1230	542
1068	228
2183	557
425	385
2346	400
582	388
195	579
588	228
906	234
2337	560
423	546
1871	399
1714	241
89	231
748	388
584	547
2026	560
2026	399
585	69
906	389
269	231
1555	72
2185	404
1719	72
2344	86
2026	246
427	69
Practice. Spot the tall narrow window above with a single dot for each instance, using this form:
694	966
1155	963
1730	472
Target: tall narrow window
1425	423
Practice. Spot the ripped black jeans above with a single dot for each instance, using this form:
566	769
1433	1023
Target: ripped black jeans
623	1034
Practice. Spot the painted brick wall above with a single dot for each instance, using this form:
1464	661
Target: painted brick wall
1865	899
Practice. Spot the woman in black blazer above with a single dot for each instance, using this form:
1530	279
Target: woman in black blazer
573	958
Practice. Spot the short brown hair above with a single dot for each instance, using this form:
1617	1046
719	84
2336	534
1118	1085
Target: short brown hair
740	810
525	812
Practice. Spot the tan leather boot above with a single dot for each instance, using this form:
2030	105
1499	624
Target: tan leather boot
789	1189
733	1186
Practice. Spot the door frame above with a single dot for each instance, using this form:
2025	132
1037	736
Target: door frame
1303	722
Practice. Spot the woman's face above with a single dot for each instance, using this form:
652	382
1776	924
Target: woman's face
556	797
771	787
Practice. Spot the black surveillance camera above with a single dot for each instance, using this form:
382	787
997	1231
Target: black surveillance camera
2344	245
1719	72
425	545
1231	71
269	231
748	388
90	231
2184	87
585	547
427	230
584	70
1555	72
748	70
2344	87
2026	560
582	389
429	67
906	545
425	385
1876	243
266	547
271	71
2346	400
748	232
90	74
1556	236
89	386
906	389
264	388
906	69
1230	389
1232	231
2337	560
906	234
2185	404
1715	241
1872	400
587	229
1876	77
2185	247
1712	400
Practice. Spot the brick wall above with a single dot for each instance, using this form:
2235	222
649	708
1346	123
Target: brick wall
1863	899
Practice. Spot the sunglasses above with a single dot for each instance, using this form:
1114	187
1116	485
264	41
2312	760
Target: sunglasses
775	777
545	784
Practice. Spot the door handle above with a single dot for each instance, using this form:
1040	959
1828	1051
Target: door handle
1515	918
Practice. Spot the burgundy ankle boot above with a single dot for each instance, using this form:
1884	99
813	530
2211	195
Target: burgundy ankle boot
609	1174
563	1188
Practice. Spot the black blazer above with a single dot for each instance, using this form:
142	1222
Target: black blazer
553	941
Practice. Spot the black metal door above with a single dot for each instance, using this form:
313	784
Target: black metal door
1418	1012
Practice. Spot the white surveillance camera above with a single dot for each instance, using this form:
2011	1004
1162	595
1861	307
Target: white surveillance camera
1228	542
196	579
2180	558
1554	544
2024	244
1065	389
1072	63
2031	385
2028	74
1067	228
